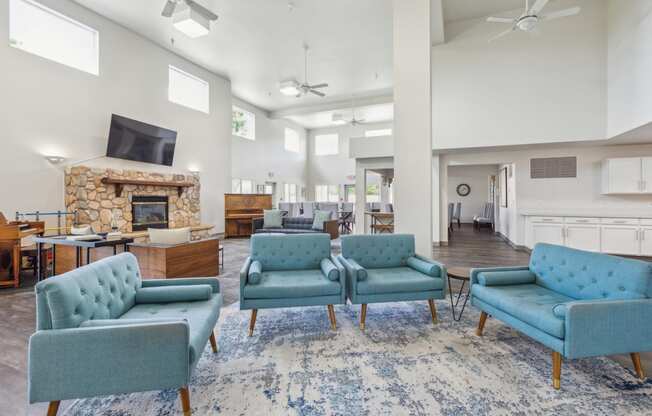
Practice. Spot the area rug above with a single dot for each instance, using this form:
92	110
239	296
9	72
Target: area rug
400	365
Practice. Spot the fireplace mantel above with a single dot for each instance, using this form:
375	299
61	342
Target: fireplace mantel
120	182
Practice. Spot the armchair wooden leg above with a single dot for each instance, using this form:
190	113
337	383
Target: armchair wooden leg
252	321
363	315
433	310
636	360
213	342
483	319
556	370
53	408
184	393
331	317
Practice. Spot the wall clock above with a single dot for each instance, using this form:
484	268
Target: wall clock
463	189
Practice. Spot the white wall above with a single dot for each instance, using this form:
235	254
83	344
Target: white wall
335	169
256	160
48	108
629	65
564	196
522	89
477	177
507	217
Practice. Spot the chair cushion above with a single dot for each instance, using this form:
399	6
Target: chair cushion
292	284
397	280
290	252
529	303
201	316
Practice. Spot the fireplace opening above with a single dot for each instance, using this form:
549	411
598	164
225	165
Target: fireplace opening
149	212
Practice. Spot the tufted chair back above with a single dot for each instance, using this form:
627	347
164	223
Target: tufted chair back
378	251
290	252
102	290
586	275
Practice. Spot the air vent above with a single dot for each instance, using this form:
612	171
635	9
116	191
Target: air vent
553	167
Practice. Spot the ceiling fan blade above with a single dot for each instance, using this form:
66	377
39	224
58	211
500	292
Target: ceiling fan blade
538	6
201	10
319	93
168	10
324	85
561	13
493	19
501	34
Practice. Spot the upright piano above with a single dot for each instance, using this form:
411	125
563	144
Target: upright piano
240	211
11	234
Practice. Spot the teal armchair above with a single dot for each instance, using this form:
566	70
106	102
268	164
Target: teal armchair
289	271
385	268
101	330
577	303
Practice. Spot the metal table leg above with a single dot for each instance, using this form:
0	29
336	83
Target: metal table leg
457	301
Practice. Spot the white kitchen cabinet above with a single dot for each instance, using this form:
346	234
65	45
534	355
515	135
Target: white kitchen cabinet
551	233
630	175
645	237
583	237
620	239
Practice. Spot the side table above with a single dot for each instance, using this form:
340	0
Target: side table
463	274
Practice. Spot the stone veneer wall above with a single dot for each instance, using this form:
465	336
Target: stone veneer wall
97	203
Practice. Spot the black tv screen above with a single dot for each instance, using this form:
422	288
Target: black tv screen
132	140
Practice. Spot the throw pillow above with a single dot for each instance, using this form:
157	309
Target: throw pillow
423	266
320	218
329	270
272	218
255	272
171	236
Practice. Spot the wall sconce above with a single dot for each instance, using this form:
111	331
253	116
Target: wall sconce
55	160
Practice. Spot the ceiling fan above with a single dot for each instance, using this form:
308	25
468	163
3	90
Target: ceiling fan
338	119
294	88
530	19
193	20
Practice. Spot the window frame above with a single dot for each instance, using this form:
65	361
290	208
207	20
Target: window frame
378	132
207	110
252	135
287	193
336	136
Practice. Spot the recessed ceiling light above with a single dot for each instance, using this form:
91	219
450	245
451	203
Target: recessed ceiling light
191	23
289	88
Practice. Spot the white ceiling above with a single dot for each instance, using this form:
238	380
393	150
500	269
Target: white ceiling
473	9
371	114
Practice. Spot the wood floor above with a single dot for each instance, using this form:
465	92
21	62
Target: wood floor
467	247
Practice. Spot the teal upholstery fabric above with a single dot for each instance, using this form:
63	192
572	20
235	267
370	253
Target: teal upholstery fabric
396	280
389	274
102	290
506	278
581	304
93	338
475	272
255	273
330	270
292	284
168	294
290	252
378	251
528	303
423	266
586	275
320	218
272	218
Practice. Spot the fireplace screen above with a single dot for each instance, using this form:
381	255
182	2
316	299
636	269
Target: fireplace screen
149	212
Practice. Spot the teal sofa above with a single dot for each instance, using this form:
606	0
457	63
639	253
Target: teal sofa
101	330
385	268
291	270
577	303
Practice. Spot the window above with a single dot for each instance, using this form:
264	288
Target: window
41	31
242	186
349	193
377	133
373	193
326	144
290	192
327	193
243	123
188	90
292	143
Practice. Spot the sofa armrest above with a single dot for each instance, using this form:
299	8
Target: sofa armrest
506	278
340	267
103	360
257	224
244	275
352	269
474	272
187	281
606	327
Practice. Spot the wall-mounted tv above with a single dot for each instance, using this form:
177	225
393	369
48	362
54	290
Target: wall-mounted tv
133	140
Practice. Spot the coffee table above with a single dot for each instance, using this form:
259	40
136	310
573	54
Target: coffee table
463	274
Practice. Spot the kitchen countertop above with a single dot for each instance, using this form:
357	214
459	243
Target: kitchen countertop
586	212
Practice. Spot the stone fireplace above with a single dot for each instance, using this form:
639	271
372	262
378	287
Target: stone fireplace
149	212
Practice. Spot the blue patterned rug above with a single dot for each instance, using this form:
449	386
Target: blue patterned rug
401	365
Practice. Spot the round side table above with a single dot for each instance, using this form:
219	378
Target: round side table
463	274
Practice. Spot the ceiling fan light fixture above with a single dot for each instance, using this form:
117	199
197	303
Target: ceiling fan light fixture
289	88
191	23
338	119
527	23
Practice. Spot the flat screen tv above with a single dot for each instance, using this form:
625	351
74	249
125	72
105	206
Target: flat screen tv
132	140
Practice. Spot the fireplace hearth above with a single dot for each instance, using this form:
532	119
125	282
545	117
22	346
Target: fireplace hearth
149	212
